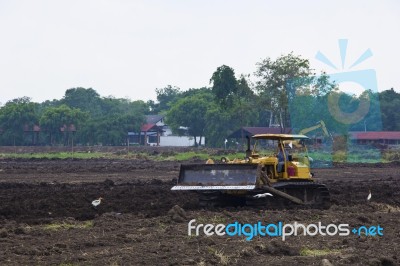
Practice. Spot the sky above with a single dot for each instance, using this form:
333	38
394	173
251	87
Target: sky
128	48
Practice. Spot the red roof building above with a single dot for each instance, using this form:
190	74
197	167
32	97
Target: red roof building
148	127
149	133
376	137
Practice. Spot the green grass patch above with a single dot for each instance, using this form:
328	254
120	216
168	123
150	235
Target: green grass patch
238	155
317	252
64	226
391	155
355	156
182	156
204	156
323	156
349	157
190	155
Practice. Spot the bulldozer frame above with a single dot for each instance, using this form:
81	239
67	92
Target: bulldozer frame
239	181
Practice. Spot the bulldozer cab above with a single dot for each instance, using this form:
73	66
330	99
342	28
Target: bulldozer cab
298	151
284	156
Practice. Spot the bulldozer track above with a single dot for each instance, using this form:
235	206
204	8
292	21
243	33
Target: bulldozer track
313	195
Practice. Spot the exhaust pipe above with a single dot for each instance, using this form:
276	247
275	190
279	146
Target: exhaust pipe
248	151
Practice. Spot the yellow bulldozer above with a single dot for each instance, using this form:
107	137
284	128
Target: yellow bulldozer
278	177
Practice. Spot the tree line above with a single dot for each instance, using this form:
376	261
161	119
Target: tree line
284	92
82	116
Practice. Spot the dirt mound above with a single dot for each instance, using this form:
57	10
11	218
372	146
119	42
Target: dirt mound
32	203
81	165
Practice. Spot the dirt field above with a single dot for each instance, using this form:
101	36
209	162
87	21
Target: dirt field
46	217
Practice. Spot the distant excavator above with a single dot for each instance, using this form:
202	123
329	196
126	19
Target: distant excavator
320	124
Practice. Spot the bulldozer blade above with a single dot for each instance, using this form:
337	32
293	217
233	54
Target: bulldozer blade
217	177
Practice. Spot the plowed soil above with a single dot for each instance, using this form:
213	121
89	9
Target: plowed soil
46	217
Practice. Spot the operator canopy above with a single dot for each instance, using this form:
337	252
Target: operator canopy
279	136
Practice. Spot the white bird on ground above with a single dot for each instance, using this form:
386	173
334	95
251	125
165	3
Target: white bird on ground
97	202
369	195
262	195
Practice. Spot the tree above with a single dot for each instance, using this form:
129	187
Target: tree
54	118
165	97
14	116
122	106
277	81
224	85
109	119
103	120
113	129
87	100
218	126
389	104
118	116
190	112
245	109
